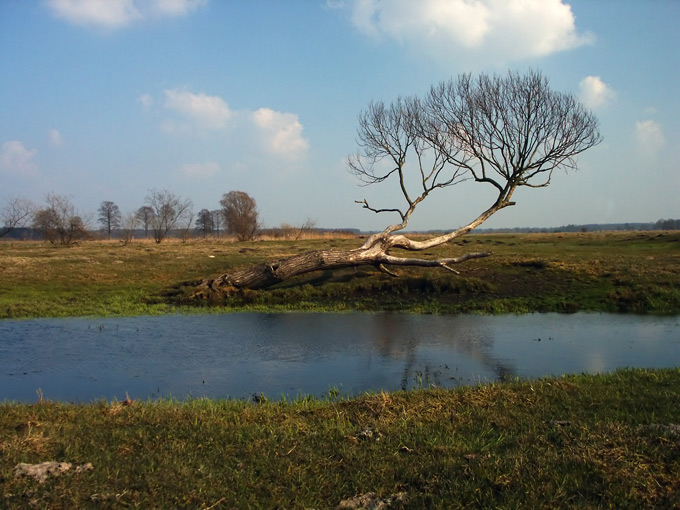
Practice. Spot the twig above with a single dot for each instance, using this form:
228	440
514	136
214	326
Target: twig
219	501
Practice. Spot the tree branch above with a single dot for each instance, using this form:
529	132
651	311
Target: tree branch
443	263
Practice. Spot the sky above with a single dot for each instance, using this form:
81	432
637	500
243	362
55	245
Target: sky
107	100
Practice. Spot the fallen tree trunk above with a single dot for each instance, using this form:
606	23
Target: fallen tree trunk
372	253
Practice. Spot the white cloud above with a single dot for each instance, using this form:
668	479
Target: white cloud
115	14
493	30
17	159
595	93
282	132
175	7
195	170
649	136
208	112
55	138
262	131
109	14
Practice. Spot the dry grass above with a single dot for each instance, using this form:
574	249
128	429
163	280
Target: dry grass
623	271
596	441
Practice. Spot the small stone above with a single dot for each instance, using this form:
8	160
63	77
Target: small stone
44	470
371	501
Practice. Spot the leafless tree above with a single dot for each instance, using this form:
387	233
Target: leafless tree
500	131
109	216
16	213
128	225
59	222
169	211
218	220
240	214
145	214
308	226
185	227
205	222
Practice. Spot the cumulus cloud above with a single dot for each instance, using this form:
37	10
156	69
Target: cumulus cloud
197	170
282	132
595	93
263	130
110	14
55	138
208	112
493	30
17	159
116	14
649	136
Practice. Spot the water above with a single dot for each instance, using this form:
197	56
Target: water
294	354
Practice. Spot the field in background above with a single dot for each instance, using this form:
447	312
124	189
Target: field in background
635	272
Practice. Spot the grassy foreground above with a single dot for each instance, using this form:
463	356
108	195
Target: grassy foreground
588	441
633	272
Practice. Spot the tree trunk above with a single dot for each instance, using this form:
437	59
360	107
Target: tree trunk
267	274
374	252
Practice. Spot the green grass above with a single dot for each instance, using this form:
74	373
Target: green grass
605	441
631	272
588	441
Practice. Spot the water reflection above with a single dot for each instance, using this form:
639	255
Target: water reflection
287	354
400	336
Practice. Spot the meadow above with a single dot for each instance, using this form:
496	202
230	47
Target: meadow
630	272
586	441
577	441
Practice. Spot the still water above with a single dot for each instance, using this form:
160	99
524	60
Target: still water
291	354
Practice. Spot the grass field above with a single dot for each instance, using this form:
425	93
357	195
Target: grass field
633	272
582	441
586	442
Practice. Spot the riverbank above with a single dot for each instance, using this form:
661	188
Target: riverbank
630	272
588	441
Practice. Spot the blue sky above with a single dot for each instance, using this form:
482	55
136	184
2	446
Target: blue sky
108	99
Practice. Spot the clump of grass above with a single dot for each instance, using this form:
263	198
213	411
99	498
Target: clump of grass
589	441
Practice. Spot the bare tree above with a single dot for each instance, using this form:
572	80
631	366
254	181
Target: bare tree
16	213
145	215
292	232
185	228
169	210
240	214
59	222
109	216
128	225
205	222
218	221
308	226
499	131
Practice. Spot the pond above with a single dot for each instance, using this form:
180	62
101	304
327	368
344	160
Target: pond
292	354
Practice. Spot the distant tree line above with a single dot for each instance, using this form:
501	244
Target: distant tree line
588	227
162	214
165	214
668	224
591	227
